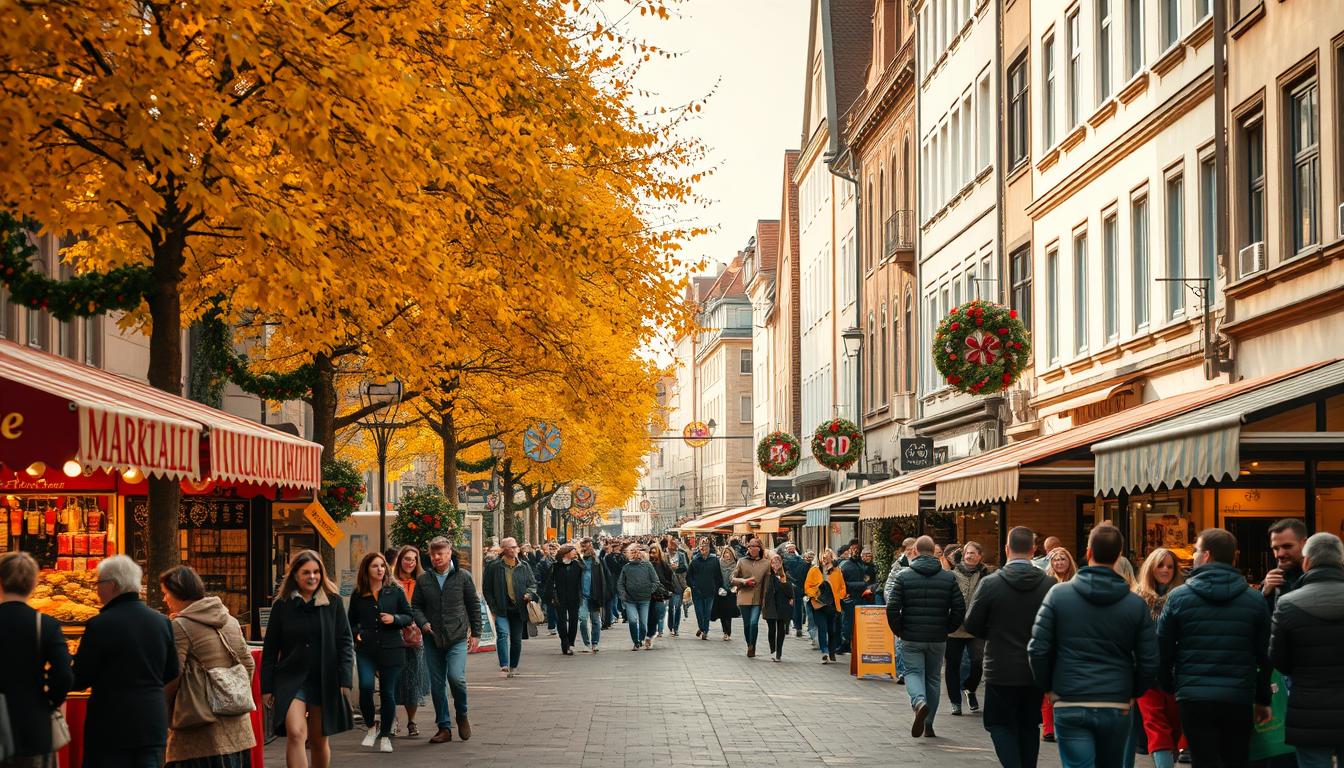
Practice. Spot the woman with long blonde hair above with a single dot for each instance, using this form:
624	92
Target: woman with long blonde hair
1059	563
413	685
1159	574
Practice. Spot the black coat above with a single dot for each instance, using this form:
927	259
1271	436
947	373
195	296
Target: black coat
1307	644
600	585
541	569
451	613
797	569
126	656
497	592
287	657
926	602
704	576
614	561
22	675
777	598
381	641
1003	612
665	577
1213	636
1093	640
564	588
855	580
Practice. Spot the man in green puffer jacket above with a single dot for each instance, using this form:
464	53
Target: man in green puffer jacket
1214	639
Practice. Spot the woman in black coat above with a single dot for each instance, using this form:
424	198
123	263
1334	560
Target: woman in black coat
306	662
35	676
563	591
378	611
777	605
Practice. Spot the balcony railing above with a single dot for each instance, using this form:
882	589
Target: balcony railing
899	235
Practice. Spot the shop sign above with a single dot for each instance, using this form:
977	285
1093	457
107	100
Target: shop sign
263	459
327	528
35	426
781	493
916	453
874	646
113	440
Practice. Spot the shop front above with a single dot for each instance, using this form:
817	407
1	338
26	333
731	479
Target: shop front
77	445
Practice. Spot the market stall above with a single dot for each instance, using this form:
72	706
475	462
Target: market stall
77	445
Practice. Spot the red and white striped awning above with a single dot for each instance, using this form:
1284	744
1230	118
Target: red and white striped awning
121	424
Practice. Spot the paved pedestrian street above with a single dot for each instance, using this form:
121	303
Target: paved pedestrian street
685	703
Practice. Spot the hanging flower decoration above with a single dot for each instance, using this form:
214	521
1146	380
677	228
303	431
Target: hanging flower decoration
837	443
342	489
981	347
84	295
777	454
422	515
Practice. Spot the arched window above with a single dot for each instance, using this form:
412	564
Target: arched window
886	361
868	231
909	342
881	209
872	373
907	174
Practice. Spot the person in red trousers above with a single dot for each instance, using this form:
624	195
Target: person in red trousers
1158	575
1060	564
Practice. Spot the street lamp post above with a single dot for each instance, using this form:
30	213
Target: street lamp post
853	339
746	492
381	423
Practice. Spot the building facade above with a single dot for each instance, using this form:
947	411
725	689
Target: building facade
723	361
759	262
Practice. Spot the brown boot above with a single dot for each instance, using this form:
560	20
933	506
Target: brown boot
463	728
442	736
751	651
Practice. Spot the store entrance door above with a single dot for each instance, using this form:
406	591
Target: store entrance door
1253	558
287	543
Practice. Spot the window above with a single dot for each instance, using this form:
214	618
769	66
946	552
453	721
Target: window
1134	35
1253	190
909	342
972	283
986	109
1103	50
37	319
1208	211
1171	22
1203	9
958	167
1021	274
1175	246
1305	159
1110	245
1080	302
872	372
1138	245
883	393
746	415
967	147
1052	302
1048	105
1075	68
1017	112
744	362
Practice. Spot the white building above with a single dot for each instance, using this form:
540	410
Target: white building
759	265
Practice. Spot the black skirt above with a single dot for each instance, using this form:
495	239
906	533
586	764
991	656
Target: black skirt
725	607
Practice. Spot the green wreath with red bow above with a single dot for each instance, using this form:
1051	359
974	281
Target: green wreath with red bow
424	514
981	347
828	439
342	489
778	453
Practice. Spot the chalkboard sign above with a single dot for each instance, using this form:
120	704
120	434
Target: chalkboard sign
916	453
781	493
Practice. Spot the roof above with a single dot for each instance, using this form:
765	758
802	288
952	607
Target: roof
767	244
728	283
122	424
846	27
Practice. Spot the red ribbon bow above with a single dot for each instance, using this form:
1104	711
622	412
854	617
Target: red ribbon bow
983	349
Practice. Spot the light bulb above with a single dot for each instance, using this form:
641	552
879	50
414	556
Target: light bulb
72	468
36	469
132	475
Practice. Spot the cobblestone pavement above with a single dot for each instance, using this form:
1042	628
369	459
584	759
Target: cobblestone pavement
687	703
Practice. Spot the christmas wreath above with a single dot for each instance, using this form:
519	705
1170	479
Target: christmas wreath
777	454
342	489
981	347
837	443
422	515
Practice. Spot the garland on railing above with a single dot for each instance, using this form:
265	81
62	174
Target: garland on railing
84	295
219	355
472	467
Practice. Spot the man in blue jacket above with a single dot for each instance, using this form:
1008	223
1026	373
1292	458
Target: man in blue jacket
926	604
1214	639
1093	651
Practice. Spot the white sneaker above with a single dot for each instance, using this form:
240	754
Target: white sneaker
825	659
504	672
384	744
596	649
370	738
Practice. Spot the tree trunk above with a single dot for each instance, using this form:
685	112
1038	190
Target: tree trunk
506	502
165	373
449	437
324	406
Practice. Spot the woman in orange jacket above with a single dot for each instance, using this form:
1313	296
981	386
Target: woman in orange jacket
825	588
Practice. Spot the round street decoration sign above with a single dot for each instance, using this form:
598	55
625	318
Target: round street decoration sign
645	505
837	443
492	501
584	497
541	442
696	434
562	499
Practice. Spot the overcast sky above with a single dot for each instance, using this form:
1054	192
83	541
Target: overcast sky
752	54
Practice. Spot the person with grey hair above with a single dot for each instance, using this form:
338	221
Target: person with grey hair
1306	634
126	657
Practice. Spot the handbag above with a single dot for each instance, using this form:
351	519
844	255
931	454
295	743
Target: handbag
60	730
412	636
686	595
535	613
204	695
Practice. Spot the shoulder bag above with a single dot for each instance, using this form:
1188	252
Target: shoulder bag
60	731
205	695
535	613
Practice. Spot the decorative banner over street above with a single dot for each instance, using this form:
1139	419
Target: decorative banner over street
837	443
696	434
562	499
584	497
541	442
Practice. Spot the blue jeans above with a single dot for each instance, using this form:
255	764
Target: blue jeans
900	659
923	674
827	623
847	616
590	624
637	617
704	608
811	620
447	665
550	617
674	610
367	666
1090	737
1318	757
751	623
509	632
657	612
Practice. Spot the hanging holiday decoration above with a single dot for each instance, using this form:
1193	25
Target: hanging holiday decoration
342	489
777	454
472	467
84	295
422	515
837	443
696	434
584	497
981	347
216	355
541	442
